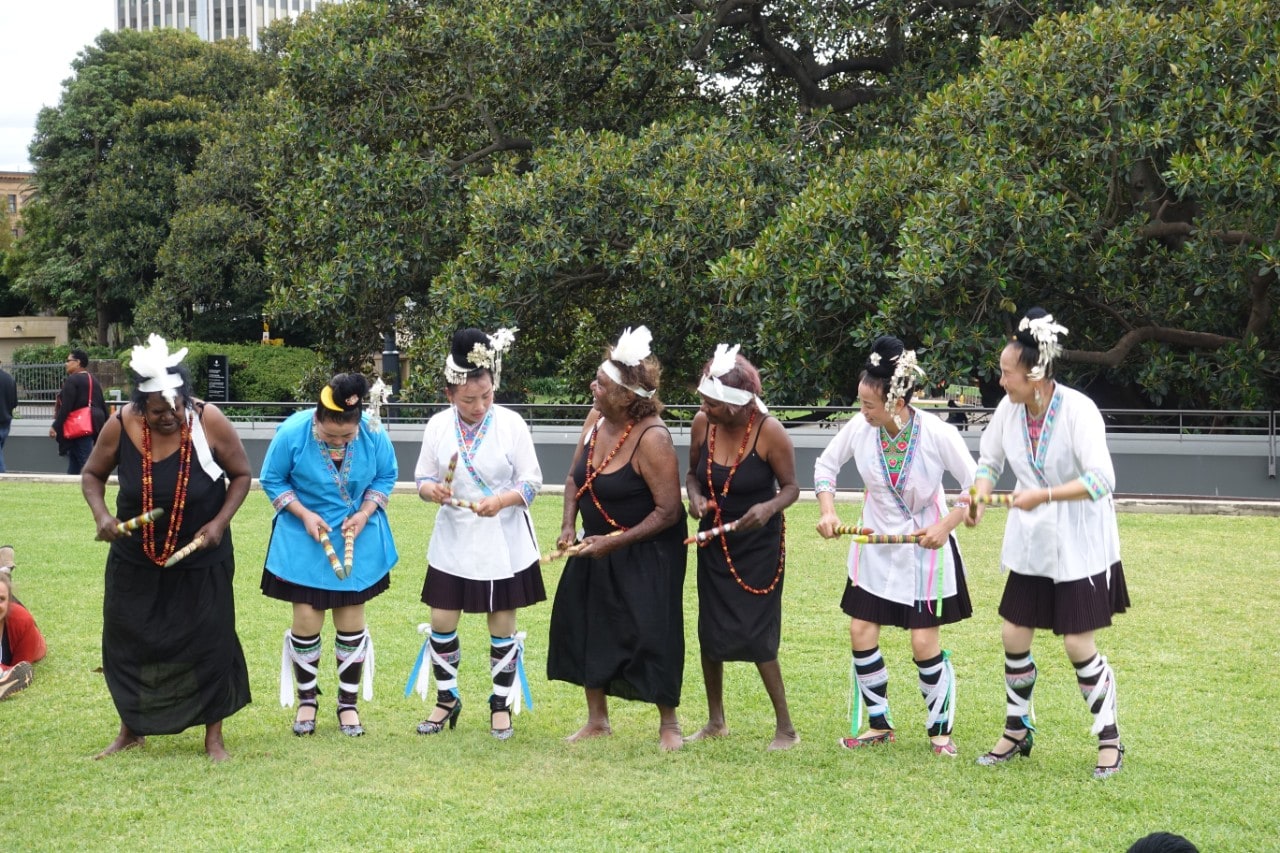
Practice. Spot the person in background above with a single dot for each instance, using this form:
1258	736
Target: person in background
79	389
170	651
617	623
21	643
1061	541
742	470
329	470
902	455
8	403
483	557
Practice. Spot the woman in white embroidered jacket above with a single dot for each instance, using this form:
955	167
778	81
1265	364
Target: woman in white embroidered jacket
1061	544
902	455
478	462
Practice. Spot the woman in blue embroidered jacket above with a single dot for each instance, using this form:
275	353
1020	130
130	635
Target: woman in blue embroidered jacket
1061	543
328	473
902	455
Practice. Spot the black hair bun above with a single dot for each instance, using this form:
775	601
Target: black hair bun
349	390
464	341
1024	336
888	348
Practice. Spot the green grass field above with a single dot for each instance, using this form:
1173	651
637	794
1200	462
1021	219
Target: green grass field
1195	659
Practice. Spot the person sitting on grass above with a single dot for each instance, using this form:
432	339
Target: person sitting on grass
21	643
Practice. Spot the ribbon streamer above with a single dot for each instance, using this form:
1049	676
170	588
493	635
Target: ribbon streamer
851	530
521	677
420	675
184	552
333	556
705	535
138	520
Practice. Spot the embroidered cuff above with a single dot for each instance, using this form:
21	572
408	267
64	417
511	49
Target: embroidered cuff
986	472
376	496
824	485
284	500
527	493
420	480
1095	485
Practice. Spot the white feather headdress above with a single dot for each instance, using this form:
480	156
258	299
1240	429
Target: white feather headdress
152	363
631	349
725	360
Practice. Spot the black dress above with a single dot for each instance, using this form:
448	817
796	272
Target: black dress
735	623
170	652
617	622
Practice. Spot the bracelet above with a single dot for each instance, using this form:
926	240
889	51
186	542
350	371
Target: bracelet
1051	494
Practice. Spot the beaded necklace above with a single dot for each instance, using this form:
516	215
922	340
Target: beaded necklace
179	493
719	519
593	471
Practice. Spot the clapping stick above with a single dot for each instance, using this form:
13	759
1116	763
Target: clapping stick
139	520
850	530
332	555
183	553
704	535
888	539
350	557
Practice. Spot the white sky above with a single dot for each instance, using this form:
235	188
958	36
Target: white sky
38	40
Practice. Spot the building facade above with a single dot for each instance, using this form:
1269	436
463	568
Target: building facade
211	20
16	190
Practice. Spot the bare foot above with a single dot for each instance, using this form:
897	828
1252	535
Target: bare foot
591	729
710	731
783	740
213	745
669	737
125	740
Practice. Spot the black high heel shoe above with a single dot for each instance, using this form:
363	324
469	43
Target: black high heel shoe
353	729
1105	771
302	728
434	727
1021	746
497	706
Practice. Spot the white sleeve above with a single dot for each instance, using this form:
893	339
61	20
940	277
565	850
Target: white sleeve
1089	446
428	467
837	452
991	449
955	455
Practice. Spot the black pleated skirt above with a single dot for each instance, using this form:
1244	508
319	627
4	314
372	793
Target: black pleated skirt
857	603
1073	607
170	652
450	592
320	599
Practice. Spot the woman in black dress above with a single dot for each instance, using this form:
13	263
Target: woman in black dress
617	625
742	470
170	653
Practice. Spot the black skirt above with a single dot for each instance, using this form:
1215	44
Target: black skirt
170	653
320	599
1073	607
450	592
857	603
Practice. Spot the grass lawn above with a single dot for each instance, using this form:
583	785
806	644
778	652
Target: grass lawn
1195	659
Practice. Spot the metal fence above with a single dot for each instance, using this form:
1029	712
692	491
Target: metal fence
38	385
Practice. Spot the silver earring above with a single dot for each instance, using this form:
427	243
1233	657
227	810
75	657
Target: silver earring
897	419
1039	397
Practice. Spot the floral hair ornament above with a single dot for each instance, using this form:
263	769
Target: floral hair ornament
326	400
152	363
379	395
1045	333
725	360
903	380
481	357
631	349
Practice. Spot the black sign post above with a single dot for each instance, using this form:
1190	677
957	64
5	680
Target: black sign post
219	386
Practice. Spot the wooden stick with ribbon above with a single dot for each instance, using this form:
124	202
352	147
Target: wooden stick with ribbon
138	520
707	535
183	553
334	562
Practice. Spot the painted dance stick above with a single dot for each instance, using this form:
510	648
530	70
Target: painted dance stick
349	559
474	507
704	535
570	550
332	555
183	553
850	530
887	539
995	500
453	466
139	520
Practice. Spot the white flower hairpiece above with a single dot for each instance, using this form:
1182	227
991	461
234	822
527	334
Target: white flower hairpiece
1045	333
481	356
152	363
875	359
488	357
379	395
903	379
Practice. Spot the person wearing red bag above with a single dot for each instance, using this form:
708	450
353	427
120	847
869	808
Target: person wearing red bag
79	389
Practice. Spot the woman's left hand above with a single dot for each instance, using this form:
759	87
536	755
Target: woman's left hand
489	507
598	546
754	518
356	521
933	537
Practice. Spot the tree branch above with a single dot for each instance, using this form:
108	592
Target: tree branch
1116	355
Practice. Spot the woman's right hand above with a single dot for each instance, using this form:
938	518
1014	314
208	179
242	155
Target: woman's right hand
106	524
568	536
314	525
698	505
827	525
435	492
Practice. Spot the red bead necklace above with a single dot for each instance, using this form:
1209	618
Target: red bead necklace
179	494
593	471
719	520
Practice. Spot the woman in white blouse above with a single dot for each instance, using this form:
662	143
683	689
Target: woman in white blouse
901	454
478	462
1061	544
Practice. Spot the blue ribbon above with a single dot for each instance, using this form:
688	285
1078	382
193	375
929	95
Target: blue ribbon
417	666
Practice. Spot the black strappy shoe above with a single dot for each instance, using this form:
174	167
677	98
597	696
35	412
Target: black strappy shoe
1106	771
434	727
1021	746
301	728
498	705
349	729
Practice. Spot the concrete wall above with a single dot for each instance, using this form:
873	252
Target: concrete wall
1162	464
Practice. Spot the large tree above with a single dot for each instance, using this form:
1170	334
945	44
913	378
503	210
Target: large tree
131	120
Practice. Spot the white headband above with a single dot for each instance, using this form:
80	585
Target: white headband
1045	332
152	363
631	349
722	362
